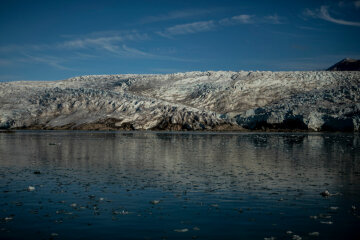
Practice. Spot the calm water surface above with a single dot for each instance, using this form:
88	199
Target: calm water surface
148	185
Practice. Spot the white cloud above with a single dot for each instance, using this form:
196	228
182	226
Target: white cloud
205	26
135	52
243	18
357	4
188	28
309	13
108	41
99	40
239	19
323	13
273	19
115	43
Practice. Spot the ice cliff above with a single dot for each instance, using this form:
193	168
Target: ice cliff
314	101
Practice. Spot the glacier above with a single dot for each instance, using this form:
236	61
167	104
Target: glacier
207	101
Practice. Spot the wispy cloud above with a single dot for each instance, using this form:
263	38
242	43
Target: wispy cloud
357	4
62	63
136	53
239	19
188	28
52	61
351	4
120	44
102	40
19	48
209	25
74	48
117	47
5	62
273	19
313	28
182	14
81	47
107	41
323	13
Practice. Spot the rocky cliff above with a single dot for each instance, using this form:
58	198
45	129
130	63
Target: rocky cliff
346	64
313	101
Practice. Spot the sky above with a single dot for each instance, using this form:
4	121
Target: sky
54	40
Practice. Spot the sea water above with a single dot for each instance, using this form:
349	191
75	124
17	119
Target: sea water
179	185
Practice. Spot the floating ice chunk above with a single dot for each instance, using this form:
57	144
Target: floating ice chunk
326	193
154	202
314	234
327	222
7	219
296	237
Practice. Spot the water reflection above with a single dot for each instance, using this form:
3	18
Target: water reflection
280	175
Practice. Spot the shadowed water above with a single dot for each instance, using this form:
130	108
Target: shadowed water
148	185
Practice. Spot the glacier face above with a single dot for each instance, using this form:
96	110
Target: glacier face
220	100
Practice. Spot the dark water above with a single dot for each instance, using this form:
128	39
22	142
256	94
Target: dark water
133	185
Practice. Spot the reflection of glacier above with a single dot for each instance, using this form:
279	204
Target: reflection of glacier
241	162
187	101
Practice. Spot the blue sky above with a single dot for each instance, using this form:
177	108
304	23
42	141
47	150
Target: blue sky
52	40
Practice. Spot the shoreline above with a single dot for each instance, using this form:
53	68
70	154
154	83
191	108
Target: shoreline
246	131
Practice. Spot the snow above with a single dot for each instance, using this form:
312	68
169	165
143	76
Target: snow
192	100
